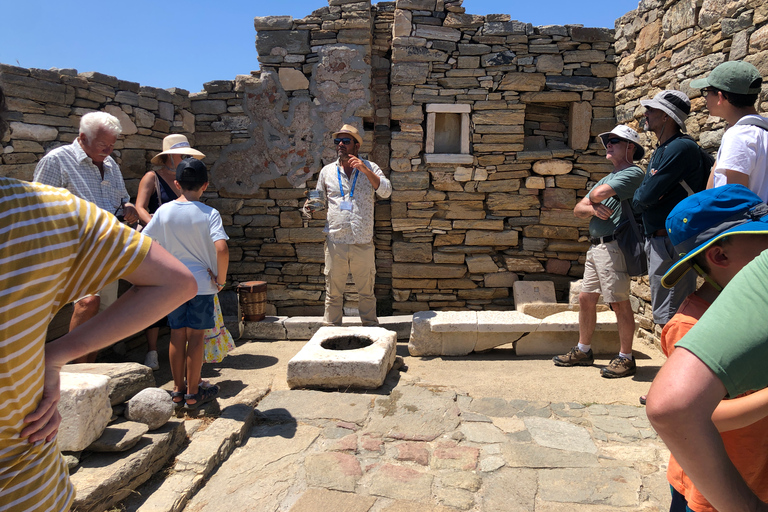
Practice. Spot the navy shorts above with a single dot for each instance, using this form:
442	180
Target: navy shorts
196	313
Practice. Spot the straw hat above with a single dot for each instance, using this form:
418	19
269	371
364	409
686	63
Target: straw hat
176	144
350	130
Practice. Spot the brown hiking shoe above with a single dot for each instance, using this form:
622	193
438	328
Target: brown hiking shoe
619	367
575	357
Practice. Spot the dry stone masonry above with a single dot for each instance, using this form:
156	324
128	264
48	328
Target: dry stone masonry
485	125
666	45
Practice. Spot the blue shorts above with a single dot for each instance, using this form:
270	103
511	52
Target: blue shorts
196	313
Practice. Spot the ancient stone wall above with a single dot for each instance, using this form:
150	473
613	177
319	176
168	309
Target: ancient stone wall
486	127
468	222
667	44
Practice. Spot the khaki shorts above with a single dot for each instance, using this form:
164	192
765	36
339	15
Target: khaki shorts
107	295
606	272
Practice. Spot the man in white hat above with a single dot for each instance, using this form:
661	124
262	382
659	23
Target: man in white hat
86	169
731	90
676	169
605	271
349	186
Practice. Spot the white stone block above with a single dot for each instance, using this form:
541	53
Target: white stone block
458	343
316	365
454	321
569	321
301	327
556	343
424	342
527	292
271	328
506	321
85	410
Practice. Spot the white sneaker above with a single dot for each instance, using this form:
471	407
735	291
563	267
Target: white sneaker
151	360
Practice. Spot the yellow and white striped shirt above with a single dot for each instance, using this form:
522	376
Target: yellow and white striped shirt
55	247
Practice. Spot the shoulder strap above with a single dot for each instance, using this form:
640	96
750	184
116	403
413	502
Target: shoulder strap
753	120
157	190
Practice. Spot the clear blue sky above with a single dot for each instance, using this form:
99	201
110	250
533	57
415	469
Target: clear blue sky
169	43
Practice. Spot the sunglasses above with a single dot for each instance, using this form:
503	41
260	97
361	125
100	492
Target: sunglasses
345	140
707	91
614	141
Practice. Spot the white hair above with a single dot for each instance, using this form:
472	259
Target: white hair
92	122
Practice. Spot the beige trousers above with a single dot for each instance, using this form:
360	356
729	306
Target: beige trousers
340	261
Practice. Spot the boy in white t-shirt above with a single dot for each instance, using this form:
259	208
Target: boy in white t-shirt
193	233
731	90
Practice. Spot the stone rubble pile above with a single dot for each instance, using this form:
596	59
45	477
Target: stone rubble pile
116	430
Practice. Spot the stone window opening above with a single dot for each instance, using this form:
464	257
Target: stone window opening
448	134
546	127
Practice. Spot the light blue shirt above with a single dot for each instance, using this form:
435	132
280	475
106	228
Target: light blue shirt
188	229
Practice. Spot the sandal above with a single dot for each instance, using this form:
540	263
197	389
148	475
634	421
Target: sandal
642	399
202	396
180	395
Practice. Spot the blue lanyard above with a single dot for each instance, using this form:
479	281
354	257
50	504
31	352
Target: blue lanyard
341	187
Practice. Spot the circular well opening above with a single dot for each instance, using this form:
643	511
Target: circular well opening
346	343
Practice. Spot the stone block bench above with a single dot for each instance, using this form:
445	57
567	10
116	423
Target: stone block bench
554	330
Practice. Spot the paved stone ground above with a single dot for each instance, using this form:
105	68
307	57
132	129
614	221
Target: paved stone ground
424	446
487	432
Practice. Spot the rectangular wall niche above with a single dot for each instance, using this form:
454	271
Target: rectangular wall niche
546	126
448	134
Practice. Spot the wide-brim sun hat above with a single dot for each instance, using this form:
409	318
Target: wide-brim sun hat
702	219
350	130
176	144
734	76
674	103
624	132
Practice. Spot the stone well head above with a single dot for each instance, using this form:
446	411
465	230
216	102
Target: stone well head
346	342
344	357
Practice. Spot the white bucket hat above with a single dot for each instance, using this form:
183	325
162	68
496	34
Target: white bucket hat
176	144
623	131
675	103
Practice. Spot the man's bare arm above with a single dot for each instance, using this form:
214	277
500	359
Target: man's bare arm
680	404
590	205
161	284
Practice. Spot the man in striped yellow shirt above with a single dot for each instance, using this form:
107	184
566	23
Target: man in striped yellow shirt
56	247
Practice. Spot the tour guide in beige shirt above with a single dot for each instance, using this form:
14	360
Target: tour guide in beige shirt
347	186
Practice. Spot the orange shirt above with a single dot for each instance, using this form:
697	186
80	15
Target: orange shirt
747	447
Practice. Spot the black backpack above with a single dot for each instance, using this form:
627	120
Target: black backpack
698	181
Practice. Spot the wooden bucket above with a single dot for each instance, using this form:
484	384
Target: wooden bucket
253	300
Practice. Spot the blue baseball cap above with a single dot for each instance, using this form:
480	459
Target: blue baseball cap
701	219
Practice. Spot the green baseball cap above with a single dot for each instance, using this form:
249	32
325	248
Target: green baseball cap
735	76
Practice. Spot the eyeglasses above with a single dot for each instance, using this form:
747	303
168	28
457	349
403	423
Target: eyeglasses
342	140
707	91
614	141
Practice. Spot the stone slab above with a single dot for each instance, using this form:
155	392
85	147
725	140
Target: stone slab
125	379
454	321
556	343
527	292
298	404
569	321
85	410
271	328
324	499
104	479
506	321
365	367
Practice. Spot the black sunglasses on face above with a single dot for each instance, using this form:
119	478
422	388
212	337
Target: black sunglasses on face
614	141
707	91
344	140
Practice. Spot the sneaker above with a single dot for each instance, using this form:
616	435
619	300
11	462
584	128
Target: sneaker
619	367
575	357
151	360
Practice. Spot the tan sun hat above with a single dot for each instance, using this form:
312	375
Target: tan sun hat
348	129
176	144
